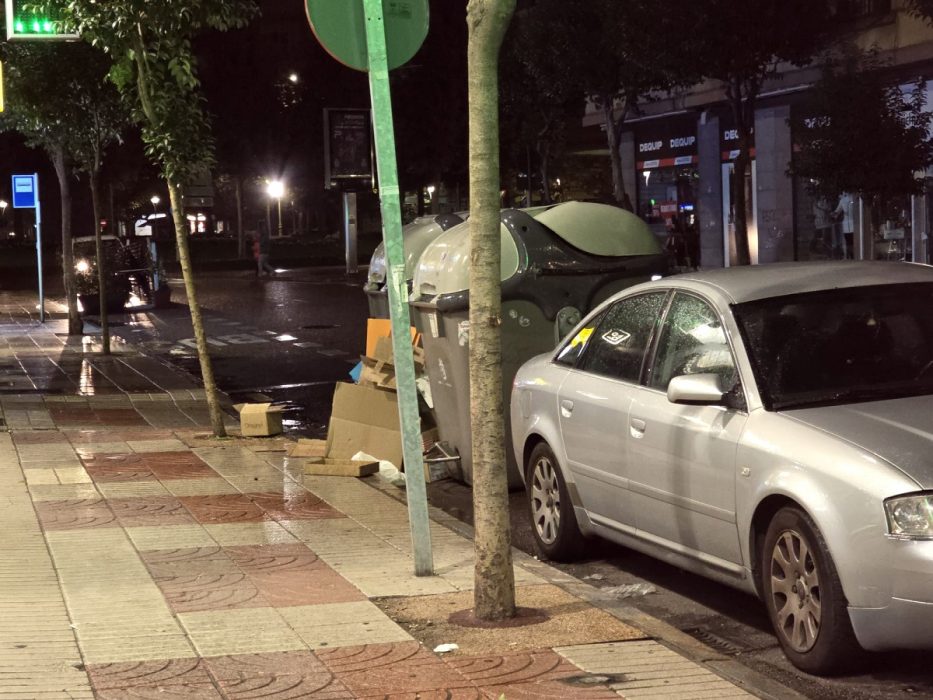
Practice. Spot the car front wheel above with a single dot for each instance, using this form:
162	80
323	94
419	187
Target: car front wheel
804	596
552	518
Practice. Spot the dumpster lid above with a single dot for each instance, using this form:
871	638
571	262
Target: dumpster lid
600	229
415	238
444	267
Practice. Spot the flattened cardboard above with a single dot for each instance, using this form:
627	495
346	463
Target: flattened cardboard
260	419
364	419
378	374
325	466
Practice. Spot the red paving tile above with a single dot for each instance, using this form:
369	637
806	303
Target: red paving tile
201	592
177	465
75	514
404	669
149	511
224	508
129	674
193	691
290	674
301	506
535	674
266	559
165	556
115	467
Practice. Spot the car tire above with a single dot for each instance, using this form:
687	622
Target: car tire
804	596
553	521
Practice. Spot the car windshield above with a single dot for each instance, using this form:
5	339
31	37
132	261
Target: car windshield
840	346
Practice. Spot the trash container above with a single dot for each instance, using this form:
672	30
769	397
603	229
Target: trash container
415	238
558	263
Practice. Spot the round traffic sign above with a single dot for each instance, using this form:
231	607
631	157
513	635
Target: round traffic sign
341	29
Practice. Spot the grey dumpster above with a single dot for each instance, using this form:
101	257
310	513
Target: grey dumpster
558	263
415	238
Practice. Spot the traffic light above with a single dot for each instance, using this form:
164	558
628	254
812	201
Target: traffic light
23	25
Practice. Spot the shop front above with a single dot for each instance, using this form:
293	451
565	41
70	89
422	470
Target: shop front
728	148
667	183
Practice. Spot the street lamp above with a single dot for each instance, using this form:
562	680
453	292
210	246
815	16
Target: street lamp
155	199
293	77
276	190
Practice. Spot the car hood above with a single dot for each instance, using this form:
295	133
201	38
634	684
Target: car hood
899	431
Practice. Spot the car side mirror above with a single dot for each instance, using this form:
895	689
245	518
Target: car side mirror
696	389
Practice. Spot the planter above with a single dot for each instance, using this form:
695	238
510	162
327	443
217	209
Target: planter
91	304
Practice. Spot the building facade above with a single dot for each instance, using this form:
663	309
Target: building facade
678	158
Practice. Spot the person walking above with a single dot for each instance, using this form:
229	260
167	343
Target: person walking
261	250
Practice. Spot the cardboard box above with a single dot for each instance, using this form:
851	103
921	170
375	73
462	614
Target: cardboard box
309	448
326	466
365	419
260	419
377	328
378	374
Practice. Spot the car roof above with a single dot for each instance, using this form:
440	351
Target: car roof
753	282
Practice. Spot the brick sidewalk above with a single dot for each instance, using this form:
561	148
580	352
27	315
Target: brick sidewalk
142	558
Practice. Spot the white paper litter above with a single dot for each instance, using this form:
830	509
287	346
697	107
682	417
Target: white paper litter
444	648
630	590
594	577
387	470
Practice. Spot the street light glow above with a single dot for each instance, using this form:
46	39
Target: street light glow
275	189
3	205
293	77
155	199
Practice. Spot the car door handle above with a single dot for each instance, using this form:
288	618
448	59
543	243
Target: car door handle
638	427
566	408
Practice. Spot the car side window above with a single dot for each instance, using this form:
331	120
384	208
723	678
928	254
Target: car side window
692	341
617	346
569	354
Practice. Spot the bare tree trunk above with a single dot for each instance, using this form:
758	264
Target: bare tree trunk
494	592
743	111
184	259
75	324
94	178
240	236
614	135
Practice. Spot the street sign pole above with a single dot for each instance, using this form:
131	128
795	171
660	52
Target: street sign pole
39	251
26	196
397	286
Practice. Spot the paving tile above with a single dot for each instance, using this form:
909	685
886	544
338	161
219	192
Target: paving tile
120	466
131	489
395	669
650	669
150	511
536	674
63	492
251	630
75	514
161	445
258	533
194	691
342	624
141	673
292	575
299	505
170	538
223	508
199	487
177	465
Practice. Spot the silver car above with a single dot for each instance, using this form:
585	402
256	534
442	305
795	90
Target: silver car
767	427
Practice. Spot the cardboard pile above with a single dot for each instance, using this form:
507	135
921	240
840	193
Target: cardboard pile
260	419
365	417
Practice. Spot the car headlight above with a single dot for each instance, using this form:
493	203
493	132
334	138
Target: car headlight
910	517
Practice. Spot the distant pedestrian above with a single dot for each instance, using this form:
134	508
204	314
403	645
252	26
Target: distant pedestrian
261	250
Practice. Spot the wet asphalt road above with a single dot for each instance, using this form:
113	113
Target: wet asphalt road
290	338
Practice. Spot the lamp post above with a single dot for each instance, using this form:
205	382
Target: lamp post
276	190
155	199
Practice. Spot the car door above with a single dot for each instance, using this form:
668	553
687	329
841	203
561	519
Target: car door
682	458
594	401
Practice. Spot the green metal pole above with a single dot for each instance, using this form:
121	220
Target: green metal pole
397	285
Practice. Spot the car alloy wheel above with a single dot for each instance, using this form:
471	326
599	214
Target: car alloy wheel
795	590
554	524
804	596
545	500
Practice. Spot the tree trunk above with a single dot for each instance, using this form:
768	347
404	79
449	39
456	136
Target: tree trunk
94	179
494	591
75	324
743	111
613	134
240	234
184	259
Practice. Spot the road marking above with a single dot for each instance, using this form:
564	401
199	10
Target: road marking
284	338
307	345
193	343
242	339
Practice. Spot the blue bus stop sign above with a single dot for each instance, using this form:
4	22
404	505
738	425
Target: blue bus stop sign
25	191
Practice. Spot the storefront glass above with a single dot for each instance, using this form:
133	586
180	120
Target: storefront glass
889	226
